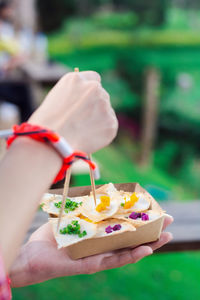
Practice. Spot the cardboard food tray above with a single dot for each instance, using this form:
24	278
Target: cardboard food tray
146	233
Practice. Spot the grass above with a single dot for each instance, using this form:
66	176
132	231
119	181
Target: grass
171	276
117	166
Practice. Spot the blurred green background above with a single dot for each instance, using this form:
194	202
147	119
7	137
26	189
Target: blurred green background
148	54
127	41
162	276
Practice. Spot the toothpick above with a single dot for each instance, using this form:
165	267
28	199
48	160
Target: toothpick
65	193
93	183
91	171
66	187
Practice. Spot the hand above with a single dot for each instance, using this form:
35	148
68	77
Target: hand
79	109
40	260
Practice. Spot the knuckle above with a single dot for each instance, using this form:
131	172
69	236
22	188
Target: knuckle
106	95
88	269
105	99
70	76
67	76
112	127
95	85
95	75
105	106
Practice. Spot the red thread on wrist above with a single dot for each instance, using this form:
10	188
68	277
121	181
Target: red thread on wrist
45	135
33	131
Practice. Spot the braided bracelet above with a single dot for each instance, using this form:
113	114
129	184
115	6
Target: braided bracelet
47	136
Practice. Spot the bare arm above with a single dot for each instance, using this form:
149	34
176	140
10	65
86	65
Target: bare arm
30	168
79	109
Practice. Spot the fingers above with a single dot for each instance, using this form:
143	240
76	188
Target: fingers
120	258
43	233
77	77
90	75
123	257
167	221
164	239
115	259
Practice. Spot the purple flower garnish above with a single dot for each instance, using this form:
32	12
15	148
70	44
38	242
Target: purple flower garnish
133	215
117	227
108	229
136	216
145	217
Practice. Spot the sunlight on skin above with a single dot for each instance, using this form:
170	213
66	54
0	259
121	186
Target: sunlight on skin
40	260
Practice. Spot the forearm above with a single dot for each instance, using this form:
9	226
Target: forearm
25	174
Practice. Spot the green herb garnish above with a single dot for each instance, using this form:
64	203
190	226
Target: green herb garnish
73	228
41	205
58	204
82	234
69	205
122	204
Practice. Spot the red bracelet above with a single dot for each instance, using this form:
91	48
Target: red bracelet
47	136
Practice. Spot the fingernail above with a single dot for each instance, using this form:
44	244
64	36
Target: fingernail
170	236
150	251
167	215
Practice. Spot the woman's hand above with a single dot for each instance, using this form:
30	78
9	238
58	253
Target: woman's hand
40	260
79	109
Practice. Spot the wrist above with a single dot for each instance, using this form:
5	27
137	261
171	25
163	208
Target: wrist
56	126
20	273
43	120
37	149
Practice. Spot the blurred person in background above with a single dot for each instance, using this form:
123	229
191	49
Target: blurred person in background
12	90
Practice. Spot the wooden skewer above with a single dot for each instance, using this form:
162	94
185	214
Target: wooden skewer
66	187
65	193
93	183
91	171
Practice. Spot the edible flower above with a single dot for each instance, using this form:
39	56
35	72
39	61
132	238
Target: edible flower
145	217
117	227
136	216
131	202
110	229
105	202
